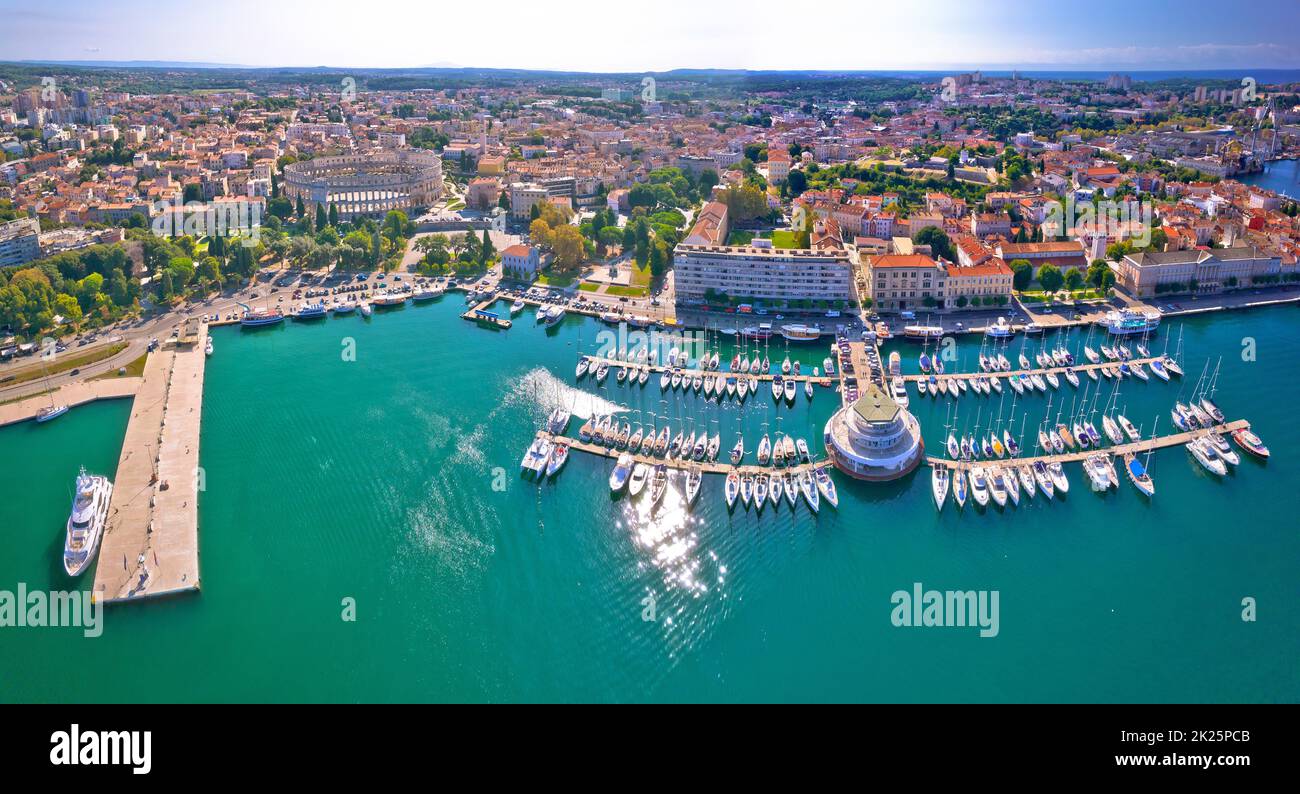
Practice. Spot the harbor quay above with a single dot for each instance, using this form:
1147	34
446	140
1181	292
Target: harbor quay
71	395
150	545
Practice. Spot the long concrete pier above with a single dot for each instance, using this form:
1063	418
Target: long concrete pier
151	543
71	395
1136	447
705	466
659	369
1022	373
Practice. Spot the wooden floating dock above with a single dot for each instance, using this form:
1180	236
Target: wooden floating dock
659	369
1022	373
151	541
706	466
480	314
1136	447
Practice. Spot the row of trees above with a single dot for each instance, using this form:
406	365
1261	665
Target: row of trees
90	287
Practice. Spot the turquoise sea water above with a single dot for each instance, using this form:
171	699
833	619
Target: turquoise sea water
1281	176
373	479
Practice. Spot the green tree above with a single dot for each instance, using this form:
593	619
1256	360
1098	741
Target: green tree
1049	276
1022	274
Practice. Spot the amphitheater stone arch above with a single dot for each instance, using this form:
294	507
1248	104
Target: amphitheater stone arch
367	184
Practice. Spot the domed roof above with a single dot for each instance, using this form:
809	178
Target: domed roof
875	405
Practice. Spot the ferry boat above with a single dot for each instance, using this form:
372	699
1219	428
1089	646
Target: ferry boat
1127	321
801	333
419	296
86	521
265	317
310	311
920	333
999	330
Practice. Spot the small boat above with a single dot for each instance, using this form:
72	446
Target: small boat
732	489
345	308
515	308
827	486
808	389
581	369
1224	449
715	443
1096	471
1013	446
809	491
1019	387
1212	409
1013	484
1059	480
954	450
939	478
1113	431
559	456
1052	380
1043	477
778	387
634	443
790	489
642	377
658	483
1092	355
50	412
801	448
738	451
764	450
365	310
746	489
979	485
693	479
622	375
760	492
959	487
1206	455
1135	367
742	390
665	380
1027	481
1158	367
1071	377
790	391
1250	442
998	486
207	348
1138	475
1173	367
602	369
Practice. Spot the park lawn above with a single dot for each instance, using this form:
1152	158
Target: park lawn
589	286
740	237
627	292
641	275
555	280
135	369
1042	296
783	238
64	362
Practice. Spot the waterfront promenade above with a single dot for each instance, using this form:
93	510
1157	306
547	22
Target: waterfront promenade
151	544
71	395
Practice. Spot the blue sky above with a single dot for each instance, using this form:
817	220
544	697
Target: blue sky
665	34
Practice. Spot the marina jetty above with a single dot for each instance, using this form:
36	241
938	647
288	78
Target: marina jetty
151	541
71	395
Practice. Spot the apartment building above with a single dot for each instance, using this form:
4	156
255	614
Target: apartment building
20	241
523	195
905	282
768	275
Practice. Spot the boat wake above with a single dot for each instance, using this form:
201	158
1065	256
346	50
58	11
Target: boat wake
543	390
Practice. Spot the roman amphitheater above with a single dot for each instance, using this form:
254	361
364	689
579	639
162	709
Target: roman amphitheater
367	184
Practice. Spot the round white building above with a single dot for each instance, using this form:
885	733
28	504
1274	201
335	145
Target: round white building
874	438
367	184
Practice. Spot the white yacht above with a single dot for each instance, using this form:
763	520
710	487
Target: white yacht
86	523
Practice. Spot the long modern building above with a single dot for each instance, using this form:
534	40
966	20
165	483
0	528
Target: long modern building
762	274
1201	270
